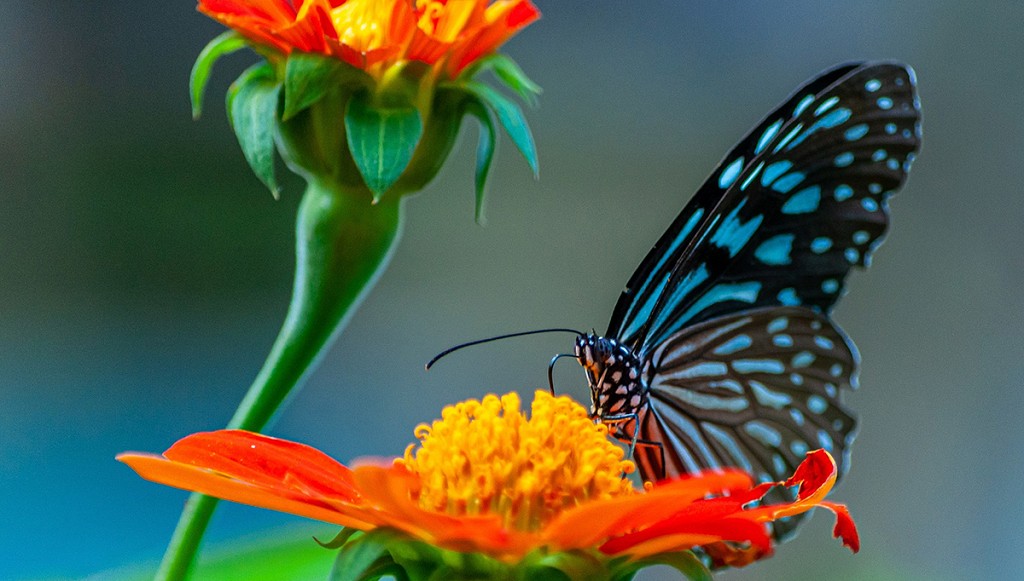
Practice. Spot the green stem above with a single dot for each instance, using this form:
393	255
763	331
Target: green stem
342	245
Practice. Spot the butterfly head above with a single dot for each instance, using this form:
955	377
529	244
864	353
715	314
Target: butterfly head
613	372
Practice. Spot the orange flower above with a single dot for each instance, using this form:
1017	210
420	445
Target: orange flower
373	34
486	479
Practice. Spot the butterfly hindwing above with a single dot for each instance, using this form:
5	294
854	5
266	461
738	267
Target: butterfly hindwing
797	203
755	390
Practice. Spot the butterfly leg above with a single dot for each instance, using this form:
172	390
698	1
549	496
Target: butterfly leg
634	439
551	370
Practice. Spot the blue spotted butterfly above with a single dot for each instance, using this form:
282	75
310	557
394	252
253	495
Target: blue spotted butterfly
720	351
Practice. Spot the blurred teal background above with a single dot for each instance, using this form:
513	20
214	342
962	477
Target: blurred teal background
144	270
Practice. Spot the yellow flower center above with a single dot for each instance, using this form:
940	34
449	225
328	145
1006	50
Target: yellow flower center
487	457
445	20
361	23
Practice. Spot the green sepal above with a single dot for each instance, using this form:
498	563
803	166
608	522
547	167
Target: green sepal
509	73
484	153
360	556
339	540
224	44
381	140
308	77
568	566
683	561
511	118
252	106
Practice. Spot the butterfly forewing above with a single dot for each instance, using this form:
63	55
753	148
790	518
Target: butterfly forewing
787	213
755	390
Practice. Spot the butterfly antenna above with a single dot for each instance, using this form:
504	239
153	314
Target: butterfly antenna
489	339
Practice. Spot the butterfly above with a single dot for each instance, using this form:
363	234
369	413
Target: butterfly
720	351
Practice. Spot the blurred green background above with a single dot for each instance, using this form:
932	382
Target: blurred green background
144	270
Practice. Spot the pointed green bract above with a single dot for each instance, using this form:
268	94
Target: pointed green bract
252	105
309	77
224	44
509	73
683	561
511	118
484	154
382	140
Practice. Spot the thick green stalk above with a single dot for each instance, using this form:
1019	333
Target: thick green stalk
342	245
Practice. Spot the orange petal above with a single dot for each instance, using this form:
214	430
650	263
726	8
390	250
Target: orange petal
390	490
685	532
197	479
815	475
503	20
266	461
588	524
845	528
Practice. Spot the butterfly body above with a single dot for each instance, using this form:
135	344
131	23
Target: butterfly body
720	351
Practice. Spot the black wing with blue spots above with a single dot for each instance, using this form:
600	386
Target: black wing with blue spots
798	202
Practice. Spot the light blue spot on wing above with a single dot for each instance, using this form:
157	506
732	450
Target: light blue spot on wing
825	440
787	296
711	402
821	245
789	136
875	188
798	446
843	192
890	128
775	251
769	398
737	343
798	416
861	236
817	404
824	342
804	201
779	465
826	105
796	379
730	173
843	159
884	103
803	104
762	433
879	155
873	85
830	285
836	370
782	340
734	235
837	117
701	369
834	118
773	366
729	444
892	164
775	170
778	324
743	292
767	137
851	255
692	279
869	204
787	182
752	175
856	132
802	359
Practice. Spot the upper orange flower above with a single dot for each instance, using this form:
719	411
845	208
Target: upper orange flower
487	479
373	34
